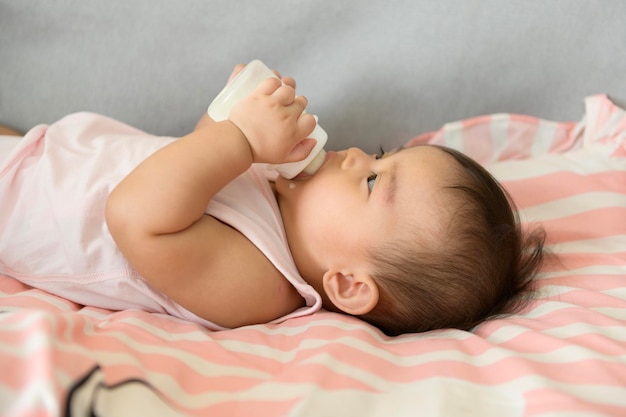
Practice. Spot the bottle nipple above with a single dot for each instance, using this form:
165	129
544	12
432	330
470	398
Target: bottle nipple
316	163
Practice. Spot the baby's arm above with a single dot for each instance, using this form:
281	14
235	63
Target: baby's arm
156	214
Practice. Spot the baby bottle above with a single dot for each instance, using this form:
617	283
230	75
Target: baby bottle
242	85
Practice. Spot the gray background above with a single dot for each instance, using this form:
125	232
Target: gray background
376	72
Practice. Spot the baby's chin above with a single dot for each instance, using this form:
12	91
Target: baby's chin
288	188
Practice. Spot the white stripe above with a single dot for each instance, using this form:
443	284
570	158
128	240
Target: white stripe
204	366
429	398
608	129
605	245
554	290
201	364
31	343
617	293
613	312
499	135
592	393
509	332
544	137
310	344
97	314
25	321
453	135
566	354
582	162
36	395
549	307
546	307
276	391
58	302
42	337
345	324
141	320
491	356
615	333
576	204
391	398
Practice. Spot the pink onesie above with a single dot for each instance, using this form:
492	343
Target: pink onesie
53	236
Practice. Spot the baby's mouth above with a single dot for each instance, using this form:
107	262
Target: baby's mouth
302	176
322	158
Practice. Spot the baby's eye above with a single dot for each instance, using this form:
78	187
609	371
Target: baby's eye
371	180
380	153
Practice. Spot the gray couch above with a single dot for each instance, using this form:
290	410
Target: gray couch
375	71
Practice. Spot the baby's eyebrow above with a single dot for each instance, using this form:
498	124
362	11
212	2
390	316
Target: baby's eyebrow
392	184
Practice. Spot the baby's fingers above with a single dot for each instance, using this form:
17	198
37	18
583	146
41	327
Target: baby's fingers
301	150
301	101
285	95
286	80
297	106
269	86
306	123
289	81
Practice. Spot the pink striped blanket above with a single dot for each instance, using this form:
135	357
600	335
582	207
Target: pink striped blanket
564	355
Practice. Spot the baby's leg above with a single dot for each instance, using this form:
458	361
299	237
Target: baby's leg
7	131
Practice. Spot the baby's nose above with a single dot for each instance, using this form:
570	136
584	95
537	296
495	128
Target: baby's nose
357	160
352	157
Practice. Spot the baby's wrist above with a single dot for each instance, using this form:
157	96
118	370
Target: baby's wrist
240	138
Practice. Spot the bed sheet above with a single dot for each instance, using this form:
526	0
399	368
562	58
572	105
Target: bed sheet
563	355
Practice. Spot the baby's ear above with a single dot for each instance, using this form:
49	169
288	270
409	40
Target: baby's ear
354	294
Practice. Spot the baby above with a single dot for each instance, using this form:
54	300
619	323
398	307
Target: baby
412	240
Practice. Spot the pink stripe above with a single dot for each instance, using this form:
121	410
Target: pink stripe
37	299
521	134
575	260
564	138
535	342
591	299
10	286
562	184
477	139
599	223
567	315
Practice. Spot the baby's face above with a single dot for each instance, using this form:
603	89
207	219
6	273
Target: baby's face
357	202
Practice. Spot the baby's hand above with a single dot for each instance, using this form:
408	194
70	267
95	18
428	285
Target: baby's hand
272	120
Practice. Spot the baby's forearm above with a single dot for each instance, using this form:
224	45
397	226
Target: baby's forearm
171	189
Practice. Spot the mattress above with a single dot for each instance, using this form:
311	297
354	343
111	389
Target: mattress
564	354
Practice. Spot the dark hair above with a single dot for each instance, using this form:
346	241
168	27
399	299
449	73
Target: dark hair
482	268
